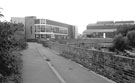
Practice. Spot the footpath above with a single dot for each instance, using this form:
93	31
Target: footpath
43	65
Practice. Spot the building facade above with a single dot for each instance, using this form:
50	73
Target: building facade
48	29
104	29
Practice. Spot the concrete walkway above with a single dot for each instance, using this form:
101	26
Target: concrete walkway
35	69
57	70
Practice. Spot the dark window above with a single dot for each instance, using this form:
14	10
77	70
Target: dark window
35	29
31	29
42	21
37	21
42	28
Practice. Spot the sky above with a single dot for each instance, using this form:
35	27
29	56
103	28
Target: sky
75	12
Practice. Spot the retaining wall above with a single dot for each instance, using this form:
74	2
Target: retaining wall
118	68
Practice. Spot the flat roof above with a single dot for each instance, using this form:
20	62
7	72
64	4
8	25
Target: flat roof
99	30
105	22
98	23
51	22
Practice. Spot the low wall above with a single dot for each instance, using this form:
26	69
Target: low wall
92	42
118	68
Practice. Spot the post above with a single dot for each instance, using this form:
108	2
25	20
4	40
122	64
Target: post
104	35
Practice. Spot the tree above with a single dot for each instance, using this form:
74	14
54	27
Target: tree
120	42
1	15
131	38
124	29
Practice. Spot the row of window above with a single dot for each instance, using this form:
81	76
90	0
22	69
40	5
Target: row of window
43	36
100	35
46	28
40	21
50	36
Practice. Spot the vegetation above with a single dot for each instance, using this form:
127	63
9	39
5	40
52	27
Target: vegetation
124	39
120	42
1	15
124	29
12	40
131	38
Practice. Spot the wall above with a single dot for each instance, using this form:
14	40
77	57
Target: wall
92	42
29	27
118	68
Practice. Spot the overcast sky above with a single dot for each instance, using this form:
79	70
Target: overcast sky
75	12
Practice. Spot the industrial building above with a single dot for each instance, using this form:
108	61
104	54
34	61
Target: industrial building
104	29
47	29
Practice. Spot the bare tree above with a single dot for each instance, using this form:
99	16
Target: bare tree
1	15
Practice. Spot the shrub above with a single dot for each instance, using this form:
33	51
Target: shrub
120	43
10	60
124	29
45	44
131	38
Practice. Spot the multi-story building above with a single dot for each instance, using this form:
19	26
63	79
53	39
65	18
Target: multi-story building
104	29
44	28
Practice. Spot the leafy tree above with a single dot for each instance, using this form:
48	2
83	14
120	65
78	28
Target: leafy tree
120	43
124	29
131	38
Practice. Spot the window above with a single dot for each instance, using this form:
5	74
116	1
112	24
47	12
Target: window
37	35
31	29
37	21
37	28
56	29
42	21
48	29
63	30
43	36
48	36
42	28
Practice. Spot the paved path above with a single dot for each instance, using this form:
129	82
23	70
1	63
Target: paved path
57	70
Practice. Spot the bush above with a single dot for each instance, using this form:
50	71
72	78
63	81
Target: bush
10	59
45	44
120	43
124	29
131	38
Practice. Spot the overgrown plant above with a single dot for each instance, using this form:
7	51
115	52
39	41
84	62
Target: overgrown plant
120	43
10	60
131	38
125	38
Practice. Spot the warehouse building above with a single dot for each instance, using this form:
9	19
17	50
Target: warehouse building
104	29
